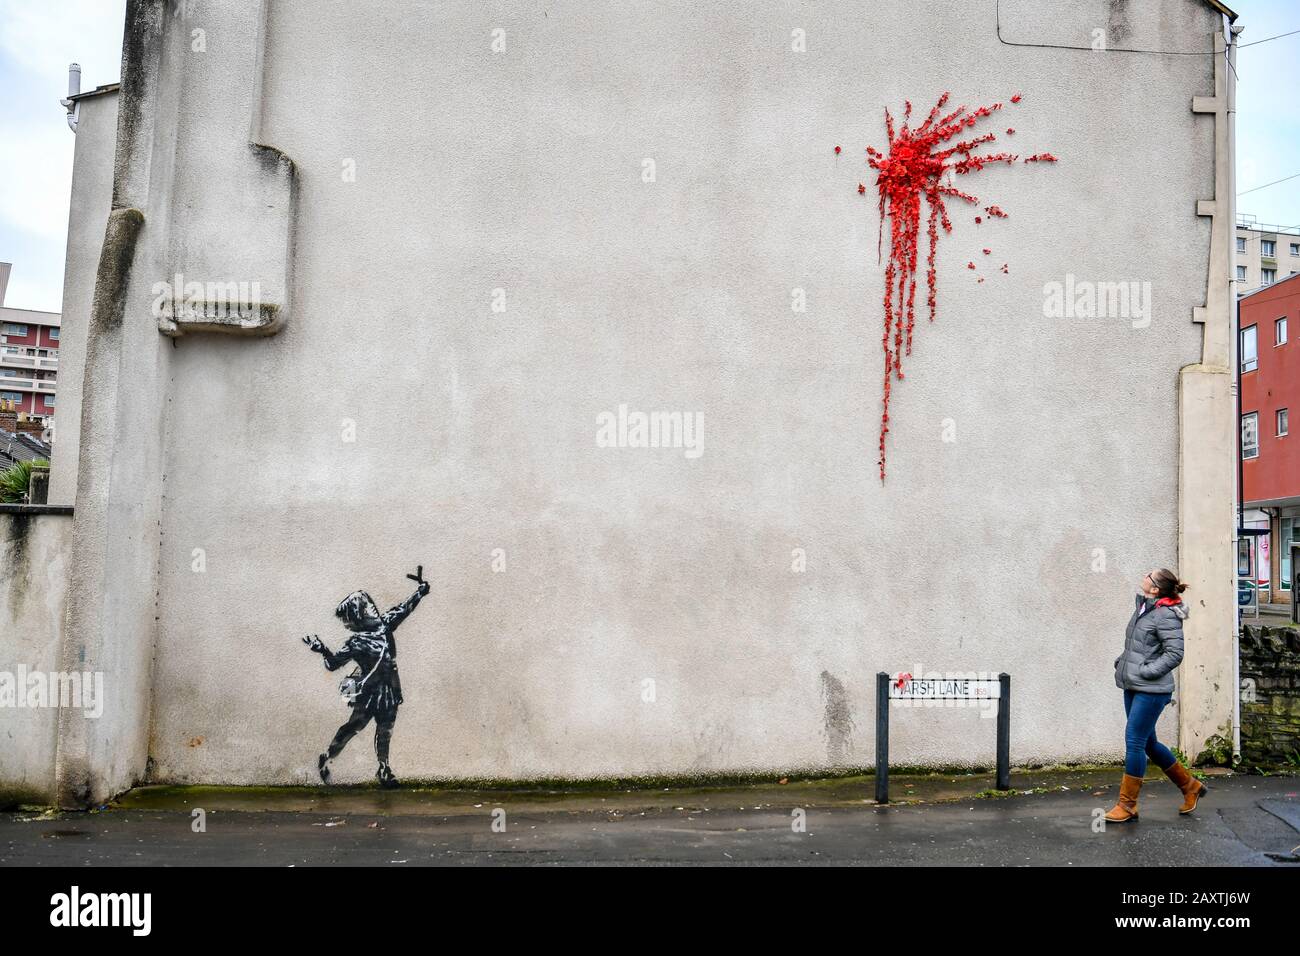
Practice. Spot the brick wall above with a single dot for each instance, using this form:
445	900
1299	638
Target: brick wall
1270	672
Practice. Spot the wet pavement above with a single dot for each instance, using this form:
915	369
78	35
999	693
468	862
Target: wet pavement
1049	818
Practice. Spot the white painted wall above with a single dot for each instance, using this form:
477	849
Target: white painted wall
33	595
475	431
92	194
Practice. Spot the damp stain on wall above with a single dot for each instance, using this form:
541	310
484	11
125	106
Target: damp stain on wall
837	719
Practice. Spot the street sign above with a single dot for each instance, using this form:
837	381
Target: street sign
906	687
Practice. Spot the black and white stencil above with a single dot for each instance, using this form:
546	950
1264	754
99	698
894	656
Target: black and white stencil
373	688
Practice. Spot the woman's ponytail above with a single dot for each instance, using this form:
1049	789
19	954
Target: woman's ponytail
1167	583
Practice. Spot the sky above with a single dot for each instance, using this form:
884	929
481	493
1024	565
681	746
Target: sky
39	38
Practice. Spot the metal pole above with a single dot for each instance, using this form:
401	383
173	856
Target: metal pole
882	737
1295	584
1004	732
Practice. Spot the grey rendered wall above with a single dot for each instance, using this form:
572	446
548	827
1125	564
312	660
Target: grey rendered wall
474	430
33	596
92	194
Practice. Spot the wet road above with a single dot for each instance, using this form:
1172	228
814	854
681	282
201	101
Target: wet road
1244	821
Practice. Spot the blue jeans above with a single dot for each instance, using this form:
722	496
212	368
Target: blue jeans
1140	741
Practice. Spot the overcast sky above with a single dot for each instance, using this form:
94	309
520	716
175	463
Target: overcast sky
39	38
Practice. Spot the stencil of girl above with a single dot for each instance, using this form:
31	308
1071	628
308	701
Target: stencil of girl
373	688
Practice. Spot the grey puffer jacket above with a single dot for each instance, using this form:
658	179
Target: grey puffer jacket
1153	647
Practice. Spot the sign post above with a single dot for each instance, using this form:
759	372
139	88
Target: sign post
882	737
907	687
1295	582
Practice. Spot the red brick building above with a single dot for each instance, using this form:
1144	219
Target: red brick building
29	356
1270	395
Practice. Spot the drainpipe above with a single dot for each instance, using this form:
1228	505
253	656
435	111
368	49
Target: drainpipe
74	87
1230	79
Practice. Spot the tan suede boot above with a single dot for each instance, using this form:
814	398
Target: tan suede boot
1192	788
1127	807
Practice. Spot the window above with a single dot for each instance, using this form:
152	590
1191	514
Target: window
8	373
1241	243
1241	273
1279	331
13	328
1295	248
1281	422
1250	435
1268	248
11	396
54	335
1267	276
1249	358
48	400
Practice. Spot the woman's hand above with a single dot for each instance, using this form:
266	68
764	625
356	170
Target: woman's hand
423	588
314	643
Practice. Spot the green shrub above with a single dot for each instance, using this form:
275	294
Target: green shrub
15	479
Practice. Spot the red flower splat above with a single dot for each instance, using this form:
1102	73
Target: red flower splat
1041	158
978	220
1011	131
987	251
837	150
1004	269
920	163
861	189
970	265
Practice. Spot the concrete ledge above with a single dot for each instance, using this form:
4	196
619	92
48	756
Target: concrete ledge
19	509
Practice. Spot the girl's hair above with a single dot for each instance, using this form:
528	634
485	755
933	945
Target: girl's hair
1167	583
358	610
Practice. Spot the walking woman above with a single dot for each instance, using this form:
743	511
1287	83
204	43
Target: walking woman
1153	647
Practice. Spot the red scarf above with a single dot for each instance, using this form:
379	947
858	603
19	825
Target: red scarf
1166	602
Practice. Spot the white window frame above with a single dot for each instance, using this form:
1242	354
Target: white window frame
1241	244
1267	276
12	328
1279	332
1250	334
1268	248
1241	273
1281	422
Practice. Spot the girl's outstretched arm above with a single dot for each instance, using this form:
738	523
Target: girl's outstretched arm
398	613
332	661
